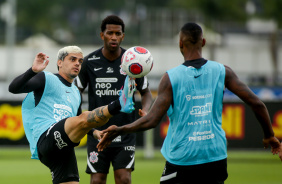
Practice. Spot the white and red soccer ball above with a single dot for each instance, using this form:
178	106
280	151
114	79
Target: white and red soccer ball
137	62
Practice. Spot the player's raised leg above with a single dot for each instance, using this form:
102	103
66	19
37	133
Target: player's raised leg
77	127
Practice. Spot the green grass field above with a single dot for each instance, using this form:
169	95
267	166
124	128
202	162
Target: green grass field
244	167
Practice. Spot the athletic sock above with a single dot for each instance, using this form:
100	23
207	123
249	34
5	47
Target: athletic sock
114	107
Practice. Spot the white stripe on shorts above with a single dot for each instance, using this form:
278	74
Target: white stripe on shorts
90	166
167	177
131	162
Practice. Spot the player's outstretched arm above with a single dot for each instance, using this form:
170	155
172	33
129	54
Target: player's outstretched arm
236	86
151	120
32	79
272	141
40	62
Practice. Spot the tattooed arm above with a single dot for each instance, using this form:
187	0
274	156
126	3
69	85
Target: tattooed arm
240	89
151	120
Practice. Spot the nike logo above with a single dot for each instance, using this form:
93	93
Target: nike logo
68	92
93	58
96	69
196	76
132	155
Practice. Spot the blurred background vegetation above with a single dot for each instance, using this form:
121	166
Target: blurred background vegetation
147	21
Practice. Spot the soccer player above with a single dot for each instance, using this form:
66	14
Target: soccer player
50	108
101	72
192	95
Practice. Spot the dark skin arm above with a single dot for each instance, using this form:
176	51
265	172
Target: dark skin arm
151	120
164	100
146	101
240	89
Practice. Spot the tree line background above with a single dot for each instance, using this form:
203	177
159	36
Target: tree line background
147	21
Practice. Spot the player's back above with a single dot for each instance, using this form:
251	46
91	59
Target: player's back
195	134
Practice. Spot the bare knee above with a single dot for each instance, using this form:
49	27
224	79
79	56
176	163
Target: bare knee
123	176
98	178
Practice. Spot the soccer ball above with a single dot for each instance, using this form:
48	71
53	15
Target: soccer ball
137	62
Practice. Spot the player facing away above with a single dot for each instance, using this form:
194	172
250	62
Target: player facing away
101	72
52	122
196	152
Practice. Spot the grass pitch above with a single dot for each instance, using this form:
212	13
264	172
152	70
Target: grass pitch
244	167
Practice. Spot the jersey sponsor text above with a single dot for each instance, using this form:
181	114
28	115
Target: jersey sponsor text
104	85
129	148
204	122
201	136
201	110
61	111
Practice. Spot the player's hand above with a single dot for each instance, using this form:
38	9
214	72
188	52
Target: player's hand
97	134
274	143
108	135
142	113
280	153
40	62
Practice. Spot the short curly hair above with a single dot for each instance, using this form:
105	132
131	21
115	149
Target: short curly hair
193	32
112	19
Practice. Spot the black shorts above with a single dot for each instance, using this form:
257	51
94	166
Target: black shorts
211	173
99	162
56	151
